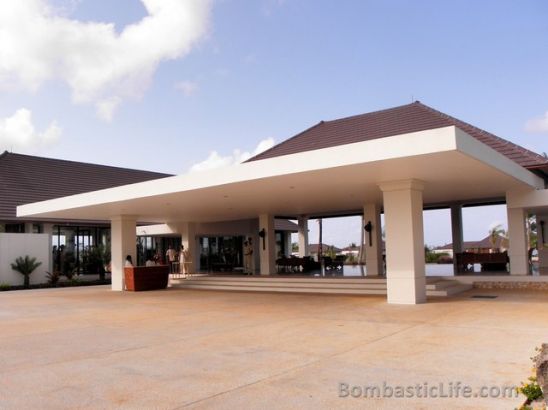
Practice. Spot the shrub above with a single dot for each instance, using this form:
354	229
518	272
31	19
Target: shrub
25	266
531	389
351	259
53	277
94	260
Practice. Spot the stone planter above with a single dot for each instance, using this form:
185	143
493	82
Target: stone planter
139	278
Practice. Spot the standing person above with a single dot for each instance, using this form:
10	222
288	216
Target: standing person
248	257
184	260
171	256
129	262
251	258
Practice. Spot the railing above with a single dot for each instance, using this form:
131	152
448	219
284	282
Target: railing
296	264
496	261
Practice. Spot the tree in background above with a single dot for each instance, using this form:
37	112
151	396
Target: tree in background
497	233
532	235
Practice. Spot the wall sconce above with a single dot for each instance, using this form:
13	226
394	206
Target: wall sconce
368	228
262	234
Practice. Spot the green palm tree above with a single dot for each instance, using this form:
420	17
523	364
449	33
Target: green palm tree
25	266
495	233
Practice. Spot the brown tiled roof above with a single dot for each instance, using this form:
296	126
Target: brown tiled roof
485	243
394	121
25	179
313	248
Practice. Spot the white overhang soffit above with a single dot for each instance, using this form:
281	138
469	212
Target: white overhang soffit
437	156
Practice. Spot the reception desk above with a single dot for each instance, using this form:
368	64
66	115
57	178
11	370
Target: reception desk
139	278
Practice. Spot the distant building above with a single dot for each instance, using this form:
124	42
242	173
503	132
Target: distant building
353	250
313	250
483	246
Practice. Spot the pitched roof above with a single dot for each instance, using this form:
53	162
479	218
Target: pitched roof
485	243
313	248
25	179
404	119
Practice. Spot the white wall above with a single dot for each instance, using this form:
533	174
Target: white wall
13	245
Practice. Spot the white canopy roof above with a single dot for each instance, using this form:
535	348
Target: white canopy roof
453	166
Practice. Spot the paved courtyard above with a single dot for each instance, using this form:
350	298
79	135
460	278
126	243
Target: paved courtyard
92	348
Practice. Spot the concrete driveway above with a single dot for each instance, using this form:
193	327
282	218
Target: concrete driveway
93	348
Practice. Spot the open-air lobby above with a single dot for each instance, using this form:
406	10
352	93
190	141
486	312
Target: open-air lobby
398	161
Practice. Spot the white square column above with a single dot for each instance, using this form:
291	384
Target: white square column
123	243
189	240
405	270
48	229
373	248
303	236
288	244
517	236
267	245
456	233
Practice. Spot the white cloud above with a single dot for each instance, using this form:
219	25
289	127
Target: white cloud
188	88
18	132
107	107
101	66
538	125
214	160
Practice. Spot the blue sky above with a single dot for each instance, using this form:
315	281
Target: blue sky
247	71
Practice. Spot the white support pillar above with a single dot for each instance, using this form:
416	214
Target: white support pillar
303	236
456	233
47	228
517	236
405	268
123	243
267	250
373	249
190	241
288	244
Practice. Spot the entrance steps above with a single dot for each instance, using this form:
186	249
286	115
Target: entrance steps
340	286
445	287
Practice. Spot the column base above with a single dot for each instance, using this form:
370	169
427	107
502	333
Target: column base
519	265
406	291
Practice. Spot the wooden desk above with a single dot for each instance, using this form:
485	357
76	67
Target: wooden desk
139	278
